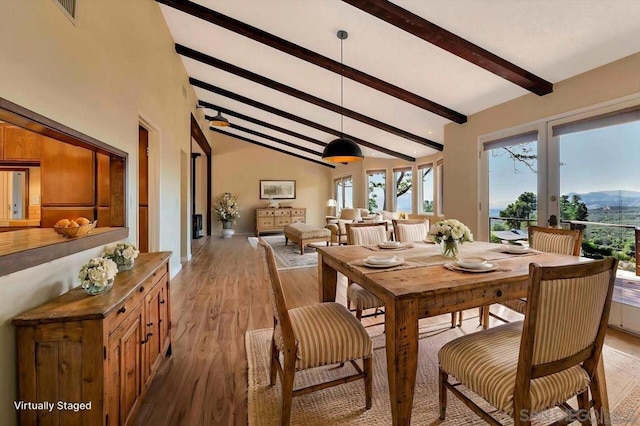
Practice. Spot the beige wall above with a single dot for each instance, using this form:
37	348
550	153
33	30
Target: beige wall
239	166
609	82
99	76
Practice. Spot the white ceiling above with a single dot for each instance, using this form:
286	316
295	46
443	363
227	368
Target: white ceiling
552	39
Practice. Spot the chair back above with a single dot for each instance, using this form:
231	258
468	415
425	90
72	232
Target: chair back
553	240
566	317
281	318
408	230
366	233
350	214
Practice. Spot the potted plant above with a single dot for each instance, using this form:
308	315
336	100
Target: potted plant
226	208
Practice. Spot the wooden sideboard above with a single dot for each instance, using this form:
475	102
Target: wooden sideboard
103	350
274	220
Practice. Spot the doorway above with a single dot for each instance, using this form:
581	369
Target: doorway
200	167
143	190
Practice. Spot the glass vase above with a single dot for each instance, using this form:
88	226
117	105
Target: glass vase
449	248
125	265
93	289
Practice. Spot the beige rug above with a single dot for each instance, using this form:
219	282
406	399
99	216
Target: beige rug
344	404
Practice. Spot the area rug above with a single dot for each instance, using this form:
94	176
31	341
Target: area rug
288	256
344	404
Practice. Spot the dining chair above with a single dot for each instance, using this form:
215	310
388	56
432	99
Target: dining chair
408	230
364	234
530	366
549	240
312	336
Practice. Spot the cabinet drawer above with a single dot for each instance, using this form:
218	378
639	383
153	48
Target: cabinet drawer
297	212
282	221
283	212
263	213
265	222
297	219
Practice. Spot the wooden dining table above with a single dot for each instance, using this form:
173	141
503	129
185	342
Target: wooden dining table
424	286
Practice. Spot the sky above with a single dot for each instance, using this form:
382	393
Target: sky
604	159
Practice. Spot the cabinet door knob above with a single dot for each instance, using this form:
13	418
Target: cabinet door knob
142	342
148	335
162	302
122	310
141	288
499	293
150	324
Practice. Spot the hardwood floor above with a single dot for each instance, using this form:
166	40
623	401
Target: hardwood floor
216	298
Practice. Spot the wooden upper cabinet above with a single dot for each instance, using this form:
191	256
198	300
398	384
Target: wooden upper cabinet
67	174
21	144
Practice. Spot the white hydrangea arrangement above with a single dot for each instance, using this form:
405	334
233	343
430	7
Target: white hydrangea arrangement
98	272
450	230
121	253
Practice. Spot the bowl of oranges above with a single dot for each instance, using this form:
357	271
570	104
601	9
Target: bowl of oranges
73	228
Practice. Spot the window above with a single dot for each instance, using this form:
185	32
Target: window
440	186
343	190
376	190
402	187
425	182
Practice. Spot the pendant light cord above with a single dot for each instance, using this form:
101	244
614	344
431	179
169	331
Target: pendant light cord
341	90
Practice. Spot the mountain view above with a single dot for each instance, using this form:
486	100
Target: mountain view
603	199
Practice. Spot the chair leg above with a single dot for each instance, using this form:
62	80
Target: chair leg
301	248
286	240
584	416
460	315
442	393
368	380
287	388
597	401
359	314
275	359
453	319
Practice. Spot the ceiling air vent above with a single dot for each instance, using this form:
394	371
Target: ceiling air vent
68	7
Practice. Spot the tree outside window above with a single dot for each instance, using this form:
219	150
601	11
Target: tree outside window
376	190
403	182
425	174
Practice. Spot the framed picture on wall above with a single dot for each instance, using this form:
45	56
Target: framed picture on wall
277	189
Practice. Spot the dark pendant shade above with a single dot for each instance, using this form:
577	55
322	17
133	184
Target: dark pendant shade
342	150
219	121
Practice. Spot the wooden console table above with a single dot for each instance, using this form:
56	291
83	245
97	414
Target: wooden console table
274	220
100	350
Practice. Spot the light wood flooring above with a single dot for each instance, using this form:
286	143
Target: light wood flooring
216	298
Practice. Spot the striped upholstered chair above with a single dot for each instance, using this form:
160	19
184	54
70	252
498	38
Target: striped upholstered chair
407	230
527	367
363	234
549	240
312	336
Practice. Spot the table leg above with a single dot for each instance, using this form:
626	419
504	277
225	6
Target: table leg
401	324
327	281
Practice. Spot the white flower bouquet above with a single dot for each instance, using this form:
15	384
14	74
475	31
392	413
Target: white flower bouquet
226	207
97	275
449	233
122	254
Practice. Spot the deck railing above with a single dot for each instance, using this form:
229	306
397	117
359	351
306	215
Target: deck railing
628	261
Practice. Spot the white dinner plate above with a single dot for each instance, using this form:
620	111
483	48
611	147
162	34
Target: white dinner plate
381	260
390	244
473	262
515	249
453	265
398	261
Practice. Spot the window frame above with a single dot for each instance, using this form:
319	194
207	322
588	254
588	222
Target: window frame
421	189
395	189
368	173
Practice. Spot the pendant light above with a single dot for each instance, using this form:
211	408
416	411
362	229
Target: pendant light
219	121
342	150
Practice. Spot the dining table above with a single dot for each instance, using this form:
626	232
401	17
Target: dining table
423	283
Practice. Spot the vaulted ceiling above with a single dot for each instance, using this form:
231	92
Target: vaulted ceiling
410	66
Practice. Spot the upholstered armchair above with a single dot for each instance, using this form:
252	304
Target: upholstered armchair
337	226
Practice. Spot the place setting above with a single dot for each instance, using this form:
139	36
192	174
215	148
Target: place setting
392	245
472	264
516	248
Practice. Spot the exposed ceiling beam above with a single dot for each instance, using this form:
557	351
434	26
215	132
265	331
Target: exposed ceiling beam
241	72
305	54
272	138
261	123
292	117
419	27
264	145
